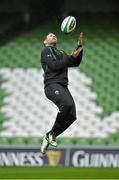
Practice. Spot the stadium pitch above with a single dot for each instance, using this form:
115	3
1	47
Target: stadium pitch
59	173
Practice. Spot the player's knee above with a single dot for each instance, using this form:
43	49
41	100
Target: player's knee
68	107
73	117
72	113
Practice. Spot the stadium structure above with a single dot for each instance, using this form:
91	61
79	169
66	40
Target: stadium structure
26	114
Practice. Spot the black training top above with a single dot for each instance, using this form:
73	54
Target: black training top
55	64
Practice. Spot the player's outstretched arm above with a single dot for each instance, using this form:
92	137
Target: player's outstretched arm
80	39
76	52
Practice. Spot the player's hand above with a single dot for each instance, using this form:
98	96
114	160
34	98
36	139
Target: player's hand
76	52
79	48
80	39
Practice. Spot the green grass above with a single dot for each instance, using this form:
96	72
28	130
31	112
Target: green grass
58	173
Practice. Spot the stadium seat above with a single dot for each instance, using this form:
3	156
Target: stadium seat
94	87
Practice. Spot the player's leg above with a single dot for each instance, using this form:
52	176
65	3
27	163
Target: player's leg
71	116
66	115
57	94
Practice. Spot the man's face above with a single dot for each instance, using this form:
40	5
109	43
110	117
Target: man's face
51	39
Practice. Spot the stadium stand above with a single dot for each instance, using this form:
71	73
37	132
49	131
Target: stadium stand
24	110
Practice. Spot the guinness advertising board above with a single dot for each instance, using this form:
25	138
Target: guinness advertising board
63	156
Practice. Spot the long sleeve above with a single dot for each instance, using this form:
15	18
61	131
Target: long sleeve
52	60
76	61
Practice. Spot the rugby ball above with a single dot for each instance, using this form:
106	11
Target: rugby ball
68	24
